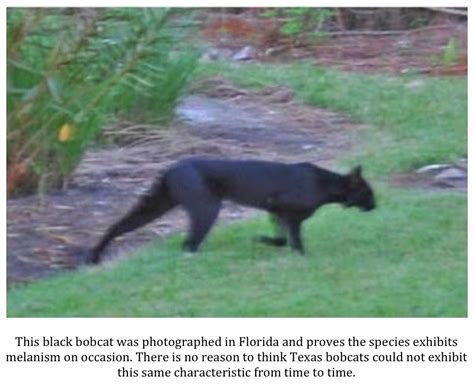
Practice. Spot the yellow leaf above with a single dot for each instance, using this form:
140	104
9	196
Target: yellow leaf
65	132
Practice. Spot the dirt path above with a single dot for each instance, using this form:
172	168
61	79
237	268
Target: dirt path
53	234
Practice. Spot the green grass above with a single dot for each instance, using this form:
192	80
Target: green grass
407	258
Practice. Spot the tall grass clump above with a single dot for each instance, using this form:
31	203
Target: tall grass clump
70	70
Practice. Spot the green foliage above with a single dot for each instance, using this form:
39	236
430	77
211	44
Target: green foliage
418	22
449	56
302	19
407	258
451	52
153	99
70	69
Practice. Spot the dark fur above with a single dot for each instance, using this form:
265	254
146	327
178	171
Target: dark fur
289	192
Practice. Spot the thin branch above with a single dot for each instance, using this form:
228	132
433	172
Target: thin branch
385	33
363	11
449	11
363	33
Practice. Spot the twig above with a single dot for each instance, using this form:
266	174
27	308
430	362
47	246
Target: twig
429	28
386	33
305	42
363	33
365	12
449	11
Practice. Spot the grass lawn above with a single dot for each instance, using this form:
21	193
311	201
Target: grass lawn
407	258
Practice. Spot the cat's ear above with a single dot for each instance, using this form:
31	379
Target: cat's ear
355	174
357	171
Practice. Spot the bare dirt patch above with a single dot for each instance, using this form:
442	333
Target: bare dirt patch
54	232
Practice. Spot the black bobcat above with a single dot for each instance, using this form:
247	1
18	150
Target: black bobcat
289	192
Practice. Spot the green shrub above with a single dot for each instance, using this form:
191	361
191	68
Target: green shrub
70	69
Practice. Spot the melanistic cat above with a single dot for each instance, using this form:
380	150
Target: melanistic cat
289	192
